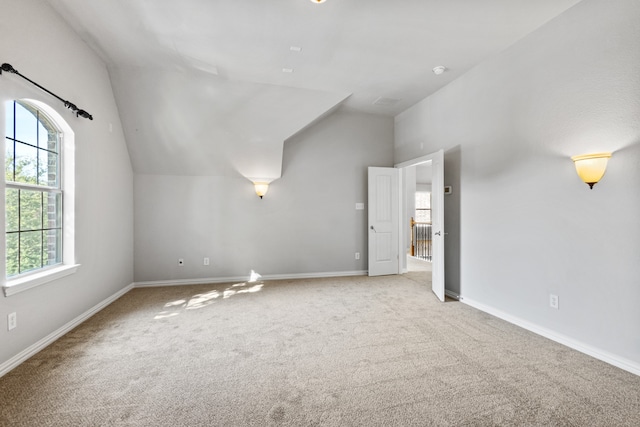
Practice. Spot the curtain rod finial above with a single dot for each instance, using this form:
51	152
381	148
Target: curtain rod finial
84	114
9	68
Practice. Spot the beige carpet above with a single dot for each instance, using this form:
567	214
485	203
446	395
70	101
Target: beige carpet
327	352
417	264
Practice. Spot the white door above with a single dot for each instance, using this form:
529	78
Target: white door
384	221
437	225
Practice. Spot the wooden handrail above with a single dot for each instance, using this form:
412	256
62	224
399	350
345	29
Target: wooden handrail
413	222
413	248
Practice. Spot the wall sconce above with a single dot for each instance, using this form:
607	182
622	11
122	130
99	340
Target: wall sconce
261	188
591	167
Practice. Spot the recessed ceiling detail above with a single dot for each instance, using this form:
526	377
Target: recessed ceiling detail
386	102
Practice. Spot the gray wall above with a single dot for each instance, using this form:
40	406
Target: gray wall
306	223
528	226
38	44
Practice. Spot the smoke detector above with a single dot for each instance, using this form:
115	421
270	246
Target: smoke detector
439	70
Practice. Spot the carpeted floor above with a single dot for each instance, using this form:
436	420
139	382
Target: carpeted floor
417	264
352	351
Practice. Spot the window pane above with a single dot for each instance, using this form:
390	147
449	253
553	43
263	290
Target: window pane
52	210
423	200
30	250
26	163
48	170
8	160
12	254
8	119
43	136
26	125
423	215
47	136
52	249
11	218
53	142
30	210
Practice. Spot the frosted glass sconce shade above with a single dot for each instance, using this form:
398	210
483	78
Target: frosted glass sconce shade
591	167
261	188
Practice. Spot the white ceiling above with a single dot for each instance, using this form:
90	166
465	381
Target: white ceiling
200	83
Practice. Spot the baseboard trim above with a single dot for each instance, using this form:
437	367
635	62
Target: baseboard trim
620	362
185	282
316	275
49	339
211	280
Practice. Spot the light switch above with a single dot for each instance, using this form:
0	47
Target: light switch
359	206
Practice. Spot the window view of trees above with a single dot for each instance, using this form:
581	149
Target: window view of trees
33	199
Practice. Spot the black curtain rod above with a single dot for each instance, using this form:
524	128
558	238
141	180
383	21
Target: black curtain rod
8	68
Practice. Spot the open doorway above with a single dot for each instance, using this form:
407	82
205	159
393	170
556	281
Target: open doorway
422	219
418	226
388	211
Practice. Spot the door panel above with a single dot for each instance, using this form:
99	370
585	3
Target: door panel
383	221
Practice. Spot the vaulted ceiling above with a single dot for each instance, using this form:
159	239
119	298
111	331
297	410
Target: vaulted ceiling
215	87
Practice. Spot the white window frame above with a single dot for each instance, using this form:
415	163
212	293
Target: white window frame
23	282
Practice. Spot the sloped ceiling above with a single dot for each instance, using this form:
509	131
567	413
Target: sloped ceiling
215	87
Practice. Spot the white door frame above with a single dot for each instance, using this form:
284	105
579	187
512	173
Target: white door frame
437	192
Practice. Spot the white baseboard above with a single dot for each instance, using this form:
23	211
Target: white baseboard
184	282
44	342
208	280
612	359
315	275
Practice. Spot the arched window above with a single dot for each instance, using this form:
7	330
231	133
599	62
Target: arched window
35	191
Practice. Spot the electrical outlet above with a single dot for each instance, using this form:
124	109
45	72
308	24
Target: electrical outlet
553	301
206	261
12	321
180	262
357	255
